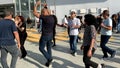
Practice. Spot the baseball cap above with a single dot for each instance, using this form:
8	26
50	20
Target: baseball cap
73	10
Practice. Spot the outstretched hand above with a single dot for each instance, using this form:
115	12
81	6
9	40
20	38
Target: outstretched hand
38	3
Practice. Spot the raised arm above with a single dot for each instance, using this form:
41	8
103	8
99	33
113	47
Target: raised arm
35	9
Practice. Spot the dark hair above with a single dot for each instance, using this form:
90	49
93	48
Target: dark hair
114	15
80	17
8	12
106	12
46	7
22	18
66	16
90	19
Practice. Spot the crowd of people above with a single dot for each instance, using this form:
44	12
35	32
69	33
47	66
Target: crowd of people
11	29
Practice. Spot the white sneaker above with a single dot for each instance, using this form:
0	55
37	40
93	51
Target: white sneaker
75	54
99	66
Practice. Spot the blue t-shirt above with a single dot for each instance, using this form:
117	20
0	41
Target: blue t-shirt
106	22
7	27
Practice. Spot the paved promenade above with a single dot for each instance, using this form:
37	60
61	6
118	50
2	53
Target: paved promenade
61	54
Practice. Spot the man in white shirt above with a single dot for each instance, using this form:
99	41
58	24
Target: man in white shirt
106	32
64	21
73	25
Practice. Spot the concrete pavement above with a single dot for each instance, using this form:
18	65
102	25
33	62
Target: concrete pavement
61	54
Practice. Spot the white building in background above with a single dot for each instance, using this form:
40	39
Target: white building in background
6	4
61	7
19	7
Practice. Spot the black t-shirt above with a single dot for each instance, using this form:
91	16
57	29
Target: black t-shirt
55	23
114	23
21	33
47	25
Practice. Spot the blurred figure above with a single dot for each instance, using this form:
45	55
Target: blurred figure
8	32
99	21
54	30
114	22
38	24
81	21
64	21
119	17
29	21
37	21
106	33
79	29
118	25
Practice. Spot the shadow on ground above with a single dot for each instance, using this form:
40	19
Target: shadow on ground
65	63
40	59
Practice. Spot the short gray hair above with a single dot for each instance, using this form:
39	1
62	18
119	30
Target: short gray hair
8	12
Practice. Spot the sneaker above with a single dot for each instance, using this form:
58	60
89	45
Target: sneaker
74	54
48	63
113	54
101	66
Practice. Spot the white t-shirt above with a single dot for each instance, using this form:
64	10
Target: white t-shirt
64	21
36	19
75	21
106	22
